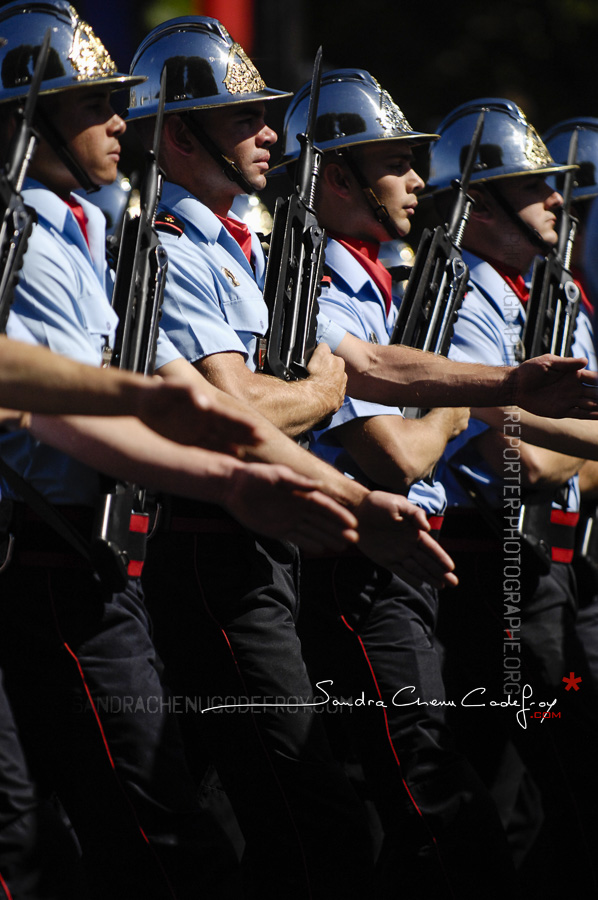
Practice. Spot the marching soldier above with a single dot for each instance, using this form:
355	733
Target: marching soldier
512	509
373	631
79	667
233	635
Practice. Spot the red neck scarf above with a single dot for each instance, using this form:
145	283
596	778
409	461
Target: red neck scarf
80	216
579	281
513	278
240	232
366	253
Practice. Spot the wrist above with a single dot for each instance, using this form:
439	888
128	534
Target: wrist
508	393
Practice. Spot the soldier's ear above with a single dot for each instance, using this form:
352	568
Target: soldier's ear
483	208
177	135
335	177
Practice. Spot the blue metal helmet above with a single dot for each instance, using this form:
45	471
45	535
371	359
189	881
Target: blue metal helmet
557	140
510	145
77	57
205	68
353	109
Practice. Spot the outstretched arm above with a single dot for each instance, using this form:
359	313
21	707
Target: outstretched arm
575	437
403	376
270	499
35	379
390	528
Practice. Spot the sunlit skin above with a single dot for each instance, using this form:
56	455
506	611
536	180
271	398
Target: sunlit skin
492	234
92	130
388	170
535	202
240	132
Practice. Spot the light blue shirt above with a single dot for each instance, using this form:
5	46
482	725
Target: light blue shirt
213	299
354	302
488	330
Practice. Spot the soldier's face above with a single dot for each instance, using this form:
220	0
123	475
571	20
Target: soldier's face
388	170
535	202
91	128
241	133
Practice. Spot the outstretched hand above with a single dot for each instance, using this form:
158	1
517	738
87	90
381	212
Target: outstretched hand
275	501
556	386
181	412
393	532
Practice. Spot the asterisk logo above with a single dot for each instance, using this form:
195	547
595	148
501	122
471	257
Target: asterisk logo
572	682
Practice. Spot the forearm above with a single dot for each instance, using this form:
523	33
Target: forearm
588	480
395	452
292	406
124	448
402	376
539	468
577	437
34	377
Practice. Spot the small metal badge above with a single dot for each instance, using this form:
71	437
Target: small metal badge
242	77
231	277
88	56
519	351
106	354
261	351
373	339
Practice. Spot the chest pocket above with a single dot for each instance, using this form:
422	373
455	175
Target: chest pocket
98	316
242	301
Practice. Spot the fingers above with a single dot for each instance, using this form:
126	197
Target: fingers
568	364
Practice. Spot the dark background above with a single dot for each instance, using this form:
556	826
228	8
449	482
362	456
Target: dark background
429	56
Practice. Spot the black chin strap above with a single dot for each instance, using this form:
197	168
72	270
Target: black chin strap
229	167
378	208
533	236
56	141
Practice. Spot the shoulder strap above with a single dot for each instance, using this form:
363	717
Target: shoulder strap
45	510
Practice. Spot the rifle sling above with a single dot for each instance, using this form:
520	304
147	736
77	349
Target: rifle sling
48	513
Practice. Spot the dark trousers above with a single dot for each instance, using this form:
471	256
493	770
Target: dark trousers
371	635
558	744
38	858
225	628
82	677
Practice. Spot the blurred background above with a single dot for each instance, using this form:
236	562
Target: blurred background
430	56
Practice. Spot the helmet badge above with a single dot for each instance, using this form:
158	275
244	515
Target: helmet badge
87	54
242	77
391	118
536	151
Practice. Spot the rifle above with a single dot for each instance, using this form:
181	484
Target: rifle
121	521
439	276
17	218
554	296
296	260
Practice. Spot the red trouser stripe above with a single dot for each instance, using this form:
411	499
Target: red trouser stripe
4	886
391	742
256	728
